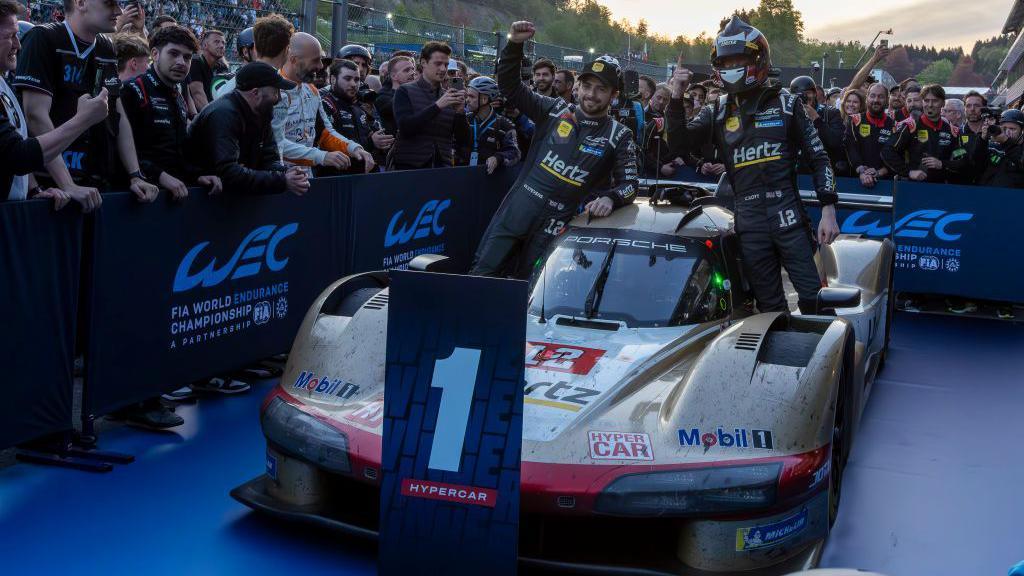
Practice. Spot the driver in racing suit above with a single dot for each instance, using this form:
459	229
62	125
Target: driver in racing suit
759	130
575	149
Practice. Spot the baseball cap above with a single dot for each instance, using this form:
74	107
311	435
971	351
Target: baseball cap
606	69
258	75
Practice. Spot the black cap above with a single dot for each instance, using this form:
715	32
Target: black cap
606	69
258	75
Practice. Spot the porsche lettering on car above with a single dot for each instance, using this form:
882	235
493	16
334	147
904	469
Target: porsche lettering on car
657	401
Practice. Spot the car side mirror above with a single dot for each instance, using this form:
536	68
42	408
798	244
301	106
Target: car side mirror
831	298
432	263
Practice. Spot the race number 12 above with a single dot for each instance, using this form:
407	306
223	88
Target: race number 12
456	377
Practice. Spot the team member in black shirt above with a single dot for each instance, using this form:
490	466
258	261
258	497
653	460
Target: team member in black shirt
205	65
492	140
932	145
866	136
60	63
341	103
153	103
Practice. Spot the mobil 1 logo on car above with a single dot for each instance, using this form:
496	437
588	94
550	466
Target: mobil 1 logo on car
723	438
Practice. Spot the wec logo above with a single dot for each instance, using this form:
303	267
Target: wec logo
259	246
427	222
918	224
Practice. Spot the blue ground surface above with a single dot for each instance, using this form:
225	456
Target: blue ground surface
934	484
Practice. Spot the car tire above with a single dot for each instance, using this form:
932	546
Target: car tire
841	428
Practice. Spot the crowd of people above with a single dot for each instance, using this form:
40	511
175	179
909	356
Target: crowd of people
104	100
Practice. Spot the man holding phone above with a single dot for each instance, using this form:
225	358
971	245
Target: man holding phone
430	118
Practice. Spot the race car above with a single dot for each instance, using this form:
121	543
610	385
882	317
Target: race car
668	428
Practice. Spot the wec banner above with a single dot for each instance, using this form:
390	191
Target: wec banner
39	272
186	290
453	416
958	240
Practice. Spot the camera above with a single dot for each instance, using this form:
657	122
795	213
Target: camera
995	130
991	112
365	95
458	83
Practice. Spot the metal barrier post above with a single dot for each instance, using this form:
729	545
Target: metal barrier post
309	16
339	25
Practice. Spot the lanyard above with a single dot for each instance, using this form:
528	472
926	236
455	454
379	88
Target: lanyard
493	117
74	43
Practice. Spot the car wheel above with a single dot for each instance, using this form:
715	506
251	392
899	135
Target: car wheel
841	432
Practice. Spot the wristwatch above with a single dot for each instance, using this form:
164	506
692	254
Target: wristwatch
137	174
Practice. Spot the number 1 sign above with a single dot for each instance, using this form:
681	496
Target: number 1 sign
452	425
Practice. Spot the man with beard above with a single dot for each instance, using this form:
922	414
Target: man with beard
912	103
575	151
544	77
59	63
926	148
297	116
493	141
232	136
341	103
971	131
205	65
154	103
867	135
564	80
759	131
896	109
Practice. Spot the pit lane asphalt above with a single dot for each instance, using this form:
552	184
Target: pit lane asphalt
933	485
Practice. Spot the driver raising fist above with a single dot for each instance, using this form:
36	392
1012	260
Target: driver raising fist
758	131
579	156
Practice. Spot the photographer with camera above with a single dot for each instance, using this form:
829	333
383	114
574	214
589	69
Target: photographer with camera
342	104
580	153
931	145
493	141
1001	163
759	131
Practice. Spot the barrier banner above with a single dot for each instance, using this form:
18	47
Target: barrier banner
453	415
186	290
958	240
400	215
864	211
40	252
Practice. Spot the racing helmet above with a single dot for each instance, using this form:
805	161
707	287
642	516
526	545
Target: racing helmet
245	39
801	84
24	27
486	86
352	50
1012	115
741	39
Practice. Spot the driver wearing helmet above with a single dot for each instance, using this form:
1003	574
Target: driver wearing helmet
580	158
358	54
492	141
759	132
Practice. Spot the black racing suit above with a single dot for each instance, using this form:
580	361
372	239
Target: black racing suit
570	160
916	138
759	141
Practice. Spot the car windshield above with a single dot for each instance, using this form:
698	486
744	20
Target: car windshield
642	279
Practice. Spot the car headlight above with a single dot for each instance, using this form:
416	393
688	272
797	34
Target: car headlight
687	492
300	435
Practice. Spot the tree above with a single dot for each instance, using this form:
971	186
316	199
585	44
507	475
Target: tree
641	28
964	75
898	64
937	72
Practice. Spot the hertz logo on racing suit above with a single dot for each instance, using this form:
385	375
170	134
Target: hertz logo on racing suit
569	174
765	152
